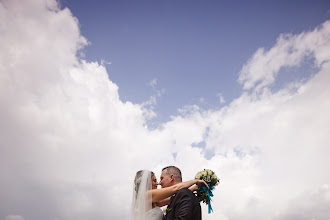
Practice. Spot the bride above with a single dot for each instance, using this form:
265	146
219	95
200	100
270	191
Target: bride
147	198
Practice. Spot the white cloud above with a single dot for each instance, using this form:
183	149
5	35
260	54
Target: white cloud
221	98
70	146
311	204
153	83
104	62
290	50
149	105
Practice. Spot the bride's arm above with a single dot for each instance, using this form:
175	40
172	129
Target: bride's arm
163	202
163	193
167	200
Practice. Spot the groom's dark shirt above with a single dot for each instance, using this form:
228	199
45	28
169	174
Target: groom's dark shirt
184	205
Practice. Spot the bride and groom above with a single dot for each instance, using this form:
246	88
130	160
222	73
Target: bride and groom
181	202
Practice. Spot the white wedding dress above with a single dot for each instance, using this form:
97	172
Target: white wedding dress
155	214
141	208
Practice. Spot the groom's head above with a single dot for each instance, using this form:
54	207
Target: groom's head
170	176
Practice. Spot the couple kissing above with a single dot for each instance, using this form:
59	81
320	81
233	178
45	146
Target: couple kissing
177	195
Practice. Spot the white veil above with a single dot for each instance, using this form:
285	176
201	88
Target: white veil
141	201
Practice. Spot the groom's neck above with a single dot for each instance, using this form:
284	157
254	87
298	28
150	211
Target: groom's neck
175	182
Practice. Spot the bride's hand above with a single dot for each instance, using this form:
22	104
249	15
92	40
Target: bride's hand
201	183
193	188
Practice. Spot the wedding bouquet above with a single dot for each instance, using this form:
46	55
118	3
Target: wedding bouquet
203	193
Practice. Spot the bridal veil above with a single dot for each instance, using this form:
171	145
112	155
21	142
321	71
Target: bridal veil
141	201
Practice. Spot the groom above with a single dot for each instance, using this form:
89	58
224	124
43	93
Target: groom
184	204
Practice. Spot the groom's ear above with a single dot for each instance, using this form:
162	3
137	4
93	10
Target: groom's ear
172	177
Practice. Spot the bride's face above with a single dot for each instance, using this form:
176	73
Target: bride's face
154	182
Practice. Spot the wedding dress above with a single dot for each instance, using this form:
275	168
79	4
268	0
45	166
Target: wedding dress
141	208
155	214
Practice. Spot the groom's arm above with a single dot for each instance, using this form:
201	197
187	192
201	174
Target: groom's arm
184	206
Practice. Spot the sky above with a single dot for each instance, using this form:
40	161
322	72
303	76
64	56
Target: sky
192	50
92	91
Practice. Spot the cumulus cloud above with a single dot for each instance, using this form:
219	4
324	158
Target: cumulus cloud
61	120
312	204
70	147
290	50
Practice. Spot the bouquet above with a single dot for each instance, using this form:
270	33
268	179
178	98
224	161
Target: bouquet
203	193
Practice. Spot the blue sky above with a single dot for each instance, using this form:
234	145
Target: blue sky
93	91
194	49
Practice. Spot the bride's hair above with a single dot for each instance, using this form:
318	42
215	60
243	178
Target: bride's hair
138	178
